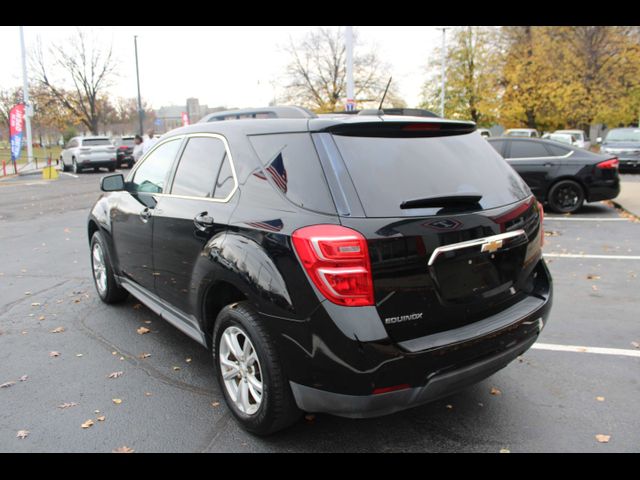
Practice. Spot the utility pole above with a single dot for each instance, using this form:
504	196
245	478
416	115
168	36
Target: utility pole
140	111
351	103
444	68
25	95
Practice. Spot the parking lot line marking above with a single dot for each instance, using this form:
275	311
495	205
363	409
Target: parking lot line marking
586	219
70	174
579	349
585	255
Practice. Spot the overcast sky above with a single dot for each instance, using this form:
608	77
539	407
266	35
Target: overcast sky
229	66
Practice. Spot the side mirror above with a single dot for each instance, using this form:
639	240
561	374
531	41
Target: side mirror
112	183
599	140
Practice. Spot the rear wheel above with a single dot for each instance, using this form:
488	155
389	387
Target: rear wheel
250	373
105	282
63	166
112	168
566	196
76	167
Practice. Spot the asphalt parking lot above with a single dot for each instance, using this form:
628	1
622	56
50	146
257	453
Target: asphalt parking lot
580	380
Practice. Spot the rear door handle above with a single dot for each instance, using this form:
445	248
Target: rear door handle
145	215
203	221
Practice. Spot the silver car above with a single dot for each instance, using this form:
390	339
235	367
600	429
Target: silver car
88	152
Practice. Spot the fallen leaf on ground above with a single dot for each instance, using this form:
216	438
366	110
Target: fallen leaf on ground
176	368
148	322
35	304
66	230
137	306
593	277
58	330
77	300
54	354
87	424
96	411
603	438
594	288
310	417
635	344
101	418
23	378
27	293
7	384
117	401
495	391
78	354
114	353
22	434
215	404
147	394
450	407
600	399
68	405
505	450
115	374
41	317
143	330
144	355
123	449
188	360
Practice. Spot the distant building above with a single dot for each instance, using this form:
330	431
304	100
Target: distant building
170	117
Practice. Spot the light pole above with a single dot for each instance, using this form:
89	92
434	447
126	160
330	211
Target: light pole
25	95
350	87
140	111
444	68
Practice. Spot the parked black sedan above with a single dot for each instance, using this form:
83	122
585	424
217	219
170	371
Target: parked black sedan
562	176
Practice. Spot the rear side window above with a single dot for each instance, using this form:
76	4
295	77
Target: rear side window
290	163
95	142
198	168
389	171
558	151
527	150
498	146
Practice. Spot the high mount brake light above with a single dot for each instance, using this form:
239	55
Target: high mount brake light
608	164
336	259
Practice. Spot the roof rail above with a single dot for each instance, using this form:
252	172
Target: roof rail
288	111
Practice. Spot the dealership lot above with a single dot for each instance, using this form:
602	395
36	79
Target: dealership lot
169	401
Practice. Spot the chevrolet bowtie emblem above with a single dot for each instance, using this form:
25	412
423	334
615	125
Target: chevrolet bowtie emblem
491	246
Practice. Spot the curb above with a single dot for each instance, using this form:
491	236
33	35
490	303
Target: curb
635	217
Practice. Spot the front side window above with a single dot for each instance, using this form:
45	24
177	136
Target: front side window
152	174
198	168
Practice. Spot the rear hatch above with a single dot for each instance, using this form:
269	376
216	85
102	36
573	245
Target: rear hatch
97	148
453	232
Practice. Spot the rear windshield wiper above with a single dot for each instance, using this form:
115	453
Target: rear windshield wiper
452	200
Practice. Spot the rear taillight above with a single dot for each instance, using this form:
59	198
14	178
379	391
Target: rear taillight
608	164
337	260
541	210
122	147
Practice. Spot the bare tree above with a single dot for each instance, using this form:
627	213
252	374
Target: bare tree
90	70
317	73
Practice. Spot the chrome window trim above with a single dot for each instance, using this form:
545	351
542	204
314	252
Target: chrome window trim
186	137
550	157
473	243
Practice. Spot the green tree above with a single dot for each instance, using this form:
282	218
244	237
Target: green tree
471	76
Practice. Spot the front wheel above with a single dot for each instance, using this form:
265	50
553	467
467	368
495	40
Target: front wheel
566	196
250	372
76	167
105	282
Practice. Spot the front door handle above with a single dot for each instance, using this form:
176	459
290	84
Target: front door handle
203	221
145	215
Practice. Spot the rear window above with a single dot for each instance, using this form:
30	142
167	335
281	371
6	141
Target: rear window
95	142
389	171
126	141
290	163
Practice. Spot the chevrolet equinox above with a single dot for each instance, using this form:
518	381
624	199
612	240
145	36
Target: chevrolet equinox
354	265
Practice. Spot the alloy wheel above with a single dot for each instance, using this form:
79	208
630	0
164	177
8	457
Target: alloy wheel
99	268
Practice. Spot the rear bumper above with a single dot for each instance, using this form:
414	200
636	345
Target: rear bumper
103	162
604	190
339	375
440	385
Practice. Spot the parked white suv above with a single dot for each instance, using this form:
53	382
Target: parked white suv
582	140
88	152
521	132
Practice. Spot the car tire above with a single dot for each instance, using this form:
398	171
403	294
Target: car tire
103	278
276	408
76	167
63	166
112	168
565	196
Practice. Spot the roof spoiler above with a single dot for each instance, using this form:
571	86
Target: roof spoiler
408	129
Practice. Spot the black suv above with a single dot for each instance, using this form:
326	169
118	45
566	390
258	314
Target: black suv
124	152
353	265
